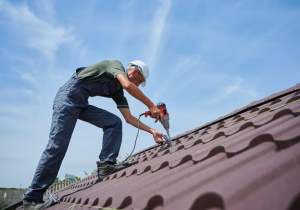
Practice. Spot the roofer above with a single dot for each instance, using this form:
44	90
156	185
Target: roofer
106	78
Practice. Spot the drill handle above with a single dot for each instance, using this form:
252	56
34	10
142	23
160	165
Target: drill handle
147	113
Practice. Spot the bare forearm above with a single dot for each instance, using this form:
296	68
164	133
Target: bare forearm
133	90
157	135
134	121
138	94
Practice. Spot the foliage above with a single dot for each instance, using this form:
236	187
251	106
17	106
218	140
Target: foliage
2	190
77	179
3	205
11	188
56	180
95	171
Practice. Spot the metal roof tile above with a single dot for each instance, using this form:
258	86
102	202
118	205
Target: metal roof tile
250	160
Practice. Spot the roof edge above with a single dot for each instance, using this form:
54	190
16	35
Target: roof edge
248	107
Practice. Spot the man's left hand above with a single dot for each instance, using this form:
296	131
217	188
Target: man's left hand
157	135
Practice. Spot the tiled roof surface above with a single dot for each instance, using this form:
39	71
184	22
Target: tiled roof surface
248	159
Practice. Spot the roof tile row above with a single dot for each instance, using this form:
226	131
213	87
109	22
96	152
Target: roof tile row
248	159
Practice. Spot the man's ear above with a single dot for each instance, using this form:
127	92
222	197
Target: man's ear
135	71
129	71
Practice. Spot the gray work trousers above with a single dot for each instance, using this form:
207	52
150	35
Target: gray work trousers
70	104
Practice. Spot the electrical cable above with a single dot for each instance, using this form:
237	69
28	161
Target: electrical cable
57	201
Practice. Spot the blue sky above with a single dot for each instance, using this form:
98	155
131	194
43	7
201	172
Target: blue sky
206	57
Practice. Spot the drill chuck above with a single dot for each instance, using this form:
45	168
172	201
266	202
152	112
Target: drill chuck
165	122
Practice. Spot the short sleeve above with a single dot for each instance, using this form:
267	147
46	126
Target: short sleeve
115	68
120	99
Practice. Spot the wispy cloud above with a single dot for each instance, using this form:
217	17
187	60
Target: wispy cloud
226	57
237	86
38	33
186	63
181	71
231	88
157	28
28	77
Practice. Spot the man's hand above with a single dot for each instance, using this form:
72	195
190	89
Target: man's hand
133	121
155	113
157	135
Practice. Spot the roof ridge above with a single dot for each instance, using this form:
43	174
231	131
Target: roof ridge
247	108
269	98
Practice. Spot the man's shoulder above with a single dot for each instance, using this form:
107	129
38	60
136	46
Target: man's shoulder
104	64
99	65
116	63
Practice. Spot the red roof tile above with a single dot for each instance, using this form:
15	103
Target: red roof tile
248	159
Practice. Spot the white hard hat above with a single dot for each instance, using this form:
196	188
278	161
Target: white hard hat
144	70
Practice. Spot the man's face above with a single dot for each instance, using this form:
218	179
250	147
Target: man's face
135	77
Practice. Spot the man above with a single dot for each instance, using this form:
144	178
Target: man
106	78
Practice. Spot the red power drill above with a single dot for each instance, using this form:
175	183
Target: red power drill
163	109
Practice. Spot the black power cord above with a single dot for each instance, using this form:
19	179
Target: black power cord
60	199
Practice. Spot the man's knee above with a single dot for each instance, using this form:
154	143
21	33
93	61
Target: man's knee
116	121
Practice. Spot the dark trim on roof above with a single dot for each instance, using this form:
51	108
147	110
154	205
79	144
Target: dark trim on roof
14	206
292	90
242	111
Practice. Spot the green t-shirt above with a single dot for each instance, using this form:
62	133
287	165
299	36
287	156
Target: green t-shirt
106	71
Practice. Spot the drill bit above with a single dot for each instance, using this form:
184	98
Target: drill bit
168	134
167	141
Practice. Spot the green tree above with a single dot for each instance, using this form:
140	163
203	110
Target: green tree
77	179
119	159
56	180
3	205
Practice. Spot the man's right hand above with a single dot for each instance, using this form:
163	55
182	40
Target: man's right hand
155	113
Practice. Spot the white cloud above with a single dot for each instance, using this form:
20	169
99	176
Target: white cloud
157	28
232	88
229	89
181	71
186	63
38	33
46	7
237	86
250	92
28	77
